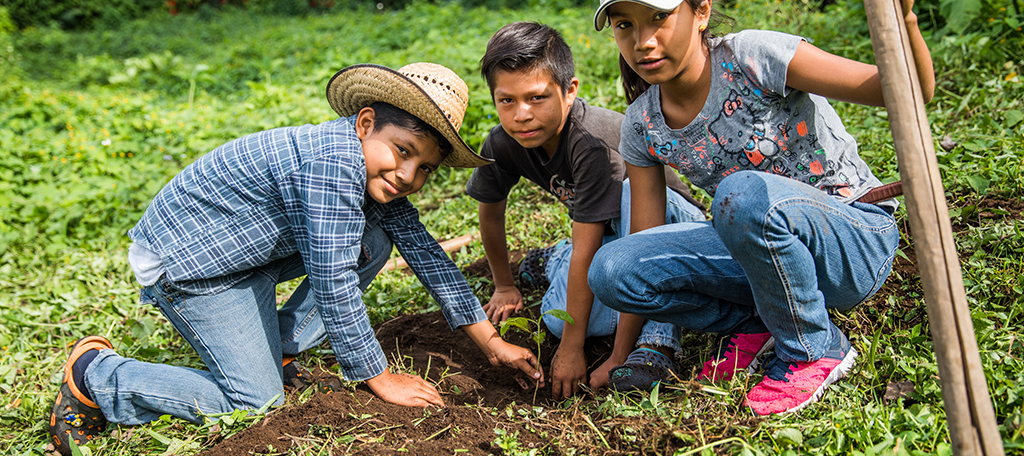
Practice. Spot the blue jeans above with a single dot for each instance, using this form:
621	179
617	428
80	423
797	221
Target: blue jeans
778	254
604	320
240	335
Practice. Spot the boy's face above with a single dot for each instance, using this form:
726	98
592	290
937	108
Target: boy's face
532	107
398	161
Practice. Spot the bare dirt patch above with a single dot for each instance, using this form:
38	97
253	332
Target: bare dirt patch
481	398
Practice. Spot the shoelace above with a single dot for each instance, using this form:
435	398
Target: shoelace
777	369
724	345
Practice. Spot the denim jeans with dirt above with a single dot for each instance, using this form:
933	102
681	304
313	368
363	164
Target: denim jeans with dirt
604	320
778	254
240	335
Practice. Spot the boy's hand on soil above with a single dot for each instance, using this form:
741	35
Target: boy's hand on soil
505	301
405	389
568	371
516	357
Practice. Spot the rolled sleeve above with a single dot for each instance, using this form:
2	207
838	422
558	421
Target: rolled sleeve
329	222
431	264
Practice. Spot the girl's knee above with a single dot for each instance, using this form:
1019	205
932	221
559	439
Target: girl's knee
737	192
740	204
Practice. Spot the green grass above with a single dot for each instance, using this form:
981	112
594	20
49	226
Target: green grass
94	123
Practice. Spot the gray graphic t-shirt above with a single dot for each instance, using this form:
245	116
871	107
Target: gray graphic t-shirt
751	121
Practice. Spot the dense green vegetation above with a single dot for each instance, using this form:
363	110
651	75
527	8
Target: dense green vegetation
94	122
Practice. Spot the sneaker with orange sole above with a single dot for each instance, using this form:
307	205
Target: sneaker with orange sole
75	417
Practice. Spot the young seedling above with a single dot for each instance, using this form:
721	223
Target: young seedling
537	333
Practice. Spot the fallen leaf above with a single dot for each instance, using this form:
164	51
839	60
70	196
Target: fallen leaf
898	390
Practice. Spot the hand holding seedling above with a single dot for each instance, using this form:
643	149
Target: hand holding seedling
405	389
503	353
537	333
516	357
505	301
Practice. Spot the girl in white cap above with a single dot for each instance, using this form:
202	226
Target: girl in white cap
798	227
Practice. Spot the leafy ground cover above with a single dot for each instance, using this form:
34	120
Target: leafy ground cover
95	122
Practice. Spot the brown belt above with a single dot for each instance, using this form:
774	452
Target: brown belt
887	191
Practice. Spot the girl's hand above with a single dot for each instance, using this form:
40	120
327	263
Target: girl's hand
505	301
600	377
405	389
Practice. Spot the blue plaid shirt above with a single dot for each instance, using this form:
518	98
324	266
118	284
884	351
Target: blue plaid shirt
271	194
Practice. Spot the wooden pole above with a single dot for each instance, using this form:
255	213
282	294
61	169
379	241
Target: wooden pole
448	246
971	419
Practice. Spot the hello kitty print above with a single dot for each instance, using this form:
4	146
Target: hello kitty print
751	121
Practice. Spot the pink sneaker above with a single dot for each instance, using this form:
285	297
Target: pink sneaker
788	387
735	353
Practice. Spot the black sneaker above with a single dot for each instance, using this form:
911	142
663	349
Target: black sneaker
296	377
531	268
75	417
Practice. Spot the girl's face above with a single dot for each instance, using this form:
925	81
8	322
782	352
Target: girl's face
660	46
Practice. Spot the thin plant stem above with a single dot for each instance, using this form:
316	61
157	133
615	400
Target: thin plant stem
596	431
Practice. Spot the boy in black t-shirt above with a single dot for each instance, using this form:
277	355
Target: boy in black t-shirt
569	149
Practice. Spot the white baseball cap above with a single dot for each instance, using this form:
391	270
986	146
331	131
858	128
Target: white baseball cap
601	17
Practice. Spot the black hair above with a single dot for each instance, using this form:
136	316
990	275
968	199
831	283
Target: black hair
386	114
634	86
522	46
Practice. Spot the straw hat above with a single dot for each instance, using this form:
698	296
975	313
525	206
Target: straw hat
428	91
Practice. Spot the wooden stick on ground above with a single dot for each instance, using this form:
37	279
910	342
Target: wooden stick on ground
449	246
971	419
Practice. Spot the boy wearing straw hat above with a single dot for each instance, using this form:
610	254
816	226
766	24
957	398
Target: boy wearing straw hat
326	201
569	148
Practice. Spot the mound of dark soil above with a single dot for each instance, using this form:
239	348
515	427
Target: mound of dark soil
423	344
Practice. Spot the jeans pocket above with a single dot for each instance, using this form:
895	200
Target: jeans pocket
174	297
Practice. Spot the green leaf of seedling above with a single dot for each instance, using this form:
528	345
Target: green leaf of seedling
519	322
561	315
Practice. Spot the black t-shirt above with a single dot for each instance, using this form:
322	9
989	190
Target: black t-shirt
585	174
